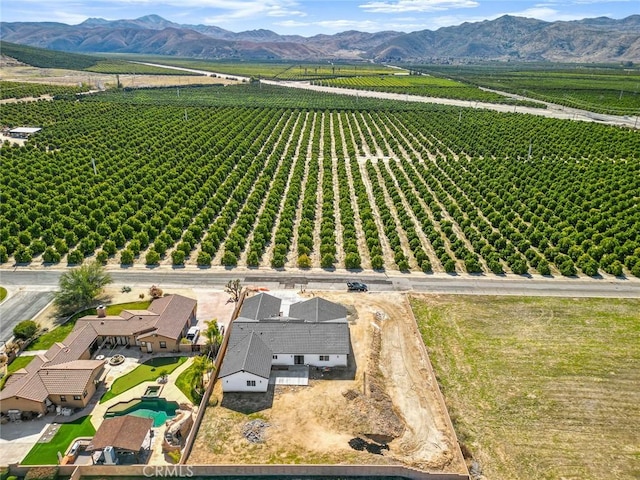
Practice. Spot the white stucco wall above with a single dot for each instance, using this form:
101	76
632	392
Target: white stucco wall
288	359
237	382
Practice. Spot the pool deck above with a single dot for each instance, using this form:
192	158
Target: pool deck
169	392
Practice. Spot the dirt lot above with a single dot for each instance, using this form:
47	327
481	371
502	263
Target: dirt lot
385	395
55	76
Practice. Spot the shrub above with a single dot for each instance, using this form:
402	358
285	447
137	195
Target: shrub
352	261
177	257
204	259
543	267
126	257
102	257
22	254
42	473
229	259
449	266
327	260
426	266
25	329
377	262
50	255
75	257
252	259
152	258
304	261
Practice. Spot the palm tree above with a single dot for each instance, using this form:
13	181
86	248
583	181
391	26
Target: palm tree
201	364
213	336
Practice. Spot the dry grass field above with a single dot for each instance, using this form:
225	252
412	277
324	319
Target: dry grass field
539	388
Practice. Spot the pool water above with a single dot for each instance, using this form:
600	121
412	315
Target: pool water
158	409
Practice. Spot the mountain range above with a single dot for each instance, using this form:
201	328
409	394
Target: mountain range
506	38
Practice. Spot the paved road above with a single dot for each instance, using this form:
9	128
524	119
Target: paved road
21	305
166	277
553	111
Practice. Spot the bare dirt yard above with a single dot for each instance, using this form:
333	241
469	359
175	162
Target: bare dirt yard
383	409
56	76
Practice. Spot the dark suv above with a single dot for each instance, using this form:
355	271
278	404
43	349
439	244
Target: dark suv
356	287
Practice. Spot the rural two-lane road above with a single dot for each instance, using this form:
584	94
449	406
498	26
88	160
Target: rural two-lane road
30	289
39	279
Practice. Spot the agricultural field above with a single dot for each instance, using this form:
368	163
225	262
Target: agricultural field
33	90
251	176
423	85
543	388
44	58
611	90
270	70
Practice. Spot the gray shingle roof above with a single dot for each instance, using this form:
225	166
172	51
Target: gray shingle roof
248	354
296	338
261	306
318	310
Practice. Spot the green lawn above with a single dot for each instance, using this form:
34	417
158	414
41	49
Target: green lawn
59	333
47	453
3	293
543	388
146	372
186	382
20	362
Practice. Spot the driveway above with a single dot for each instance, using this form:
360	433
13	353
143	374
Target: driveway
21	305
18	438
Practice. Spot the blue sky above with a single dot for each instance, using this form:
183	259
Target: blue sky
310	17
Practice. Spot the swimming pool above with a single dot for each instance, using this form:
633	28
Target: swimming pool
158	409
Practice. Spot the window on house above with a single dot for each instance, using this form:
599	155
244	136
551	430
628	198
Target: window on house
275	357
77	397
324	358
63	398
85	393
251	383
163	344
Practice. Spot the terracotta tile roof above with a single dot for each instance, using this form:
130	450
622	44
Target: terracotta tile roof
173	312
165	316
29	387
70	378
126	432
76	343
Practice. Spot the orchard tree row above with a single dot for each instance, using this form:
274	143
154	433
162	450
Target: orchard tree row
438	189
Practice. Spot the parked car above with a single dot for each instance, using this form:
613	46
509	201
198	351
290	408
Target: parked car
192	334
357	287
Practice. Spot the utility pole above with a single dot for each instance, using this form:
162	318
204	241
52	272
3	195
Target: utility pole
93	162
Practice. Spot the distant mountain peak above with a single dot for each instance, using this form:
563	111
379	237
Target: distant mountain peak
508	37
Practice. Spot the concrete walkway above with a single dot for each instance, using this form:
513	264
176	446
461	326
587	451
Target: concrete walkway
169	392
17	439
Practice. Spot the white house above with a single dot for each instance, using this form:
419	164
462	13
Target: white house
315	333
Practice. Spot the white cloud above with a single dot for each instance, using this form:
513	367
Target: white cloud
341	25
548	14
235	10
405	6
337	25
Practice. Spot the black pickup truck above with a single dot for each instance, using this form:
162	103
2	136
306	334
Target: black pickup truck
356	287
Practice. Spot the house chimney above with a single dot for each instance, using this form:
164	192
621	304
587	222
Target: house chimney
102	311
